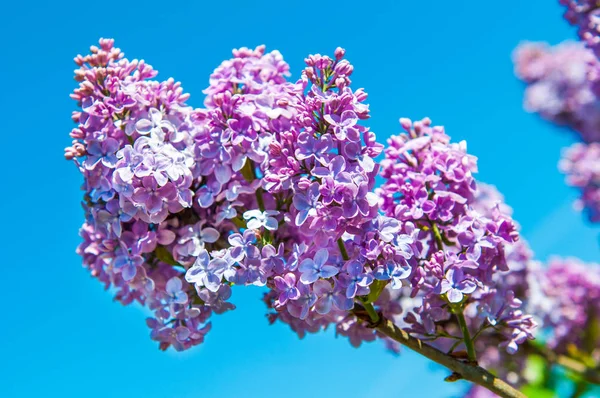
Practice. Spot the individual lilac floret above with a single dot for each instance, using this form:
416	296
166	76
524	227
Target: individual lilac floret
128	264
307	203
455	285
313	269
287	287
358	280
394	272
329	295
104	152
258	219
207	272
175	294
243	245
343	126
217	301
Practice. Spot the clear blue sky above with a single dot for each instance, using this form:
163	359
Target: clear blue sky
63	336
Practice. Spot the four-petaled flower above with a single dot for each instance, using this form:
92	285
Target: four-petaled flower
394	272
243	245
287	288
328	295
335	171
112	217
104	152
357	278
313	269
257	219
206	194
207	272
175	294
128	263
343	126
307	203
301	305
155	125
310	147
455	285
476	240
151	196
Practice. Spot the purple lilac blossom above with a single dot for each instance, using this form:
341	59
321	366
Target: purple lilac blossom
581	164
573	290
272	184
559	86
585	14
563	86
461	250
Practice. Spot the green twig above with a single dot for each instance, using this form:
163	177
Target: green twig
260	200
371	311
438	236
467	336
468	371
342	247
250	175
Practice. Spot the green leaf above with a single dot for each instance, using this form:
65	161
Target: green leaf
165	256
537	392
247	171
590	338
376	289
535	371
239	222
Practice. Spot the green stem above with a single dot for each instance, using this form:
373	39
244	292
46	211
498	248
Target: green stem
478	333
250	175
260	200
438	236
238	222
342	247
368	306
371	311
456	343
248	171
468	371
467	337
267	240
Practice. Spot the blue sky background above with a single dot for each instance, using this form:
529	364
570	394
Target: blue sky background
63	336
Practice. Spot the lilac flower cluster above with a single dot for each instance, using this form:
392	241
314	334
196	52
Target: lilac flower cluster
563	89
272	184
572	289
460	243
134	146
342	246
585	14
309	166
563	296
558	85
581	164
520	285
